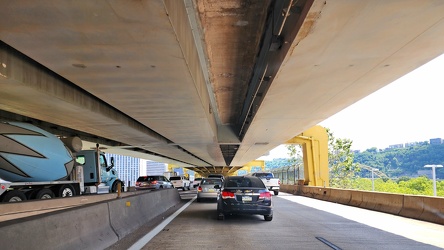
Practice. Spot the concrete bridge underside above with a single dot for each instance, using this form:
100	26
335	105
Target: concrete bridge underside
204	84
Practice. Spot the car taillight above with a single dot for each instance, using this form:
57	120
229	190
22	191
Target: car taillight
199	189
265	195
137	183
227	195
153	182
279	182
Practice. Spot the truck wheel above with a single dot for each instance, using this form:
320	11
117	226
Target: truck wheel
114	188
66	190
276	192
14	196
44	193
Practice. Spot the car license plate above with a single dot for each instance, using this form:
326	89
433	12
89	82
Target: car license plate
247	198
211	190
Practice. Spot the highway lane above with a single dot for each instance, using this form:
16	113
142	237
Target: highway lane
298	223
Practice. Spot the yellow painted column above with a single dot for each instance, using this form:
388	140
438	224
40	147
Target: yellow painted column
314	142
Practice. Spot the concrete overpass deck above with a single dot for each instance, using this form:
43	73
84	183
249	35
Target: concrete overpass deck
204	84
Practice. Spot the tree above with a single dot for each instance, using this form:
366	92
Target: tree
295	158
340	157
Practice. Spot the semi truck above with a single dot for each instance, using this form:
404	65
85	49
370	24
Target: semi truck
35	164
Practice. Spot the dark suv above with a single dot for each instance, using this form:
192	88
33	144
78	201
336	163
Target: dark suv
153	182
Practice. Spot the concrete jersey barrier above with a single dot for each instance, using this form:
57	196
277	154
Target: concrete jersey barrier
423	208
92	226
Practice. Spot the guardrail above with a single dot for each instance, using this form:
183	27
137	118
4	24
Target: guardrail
425	208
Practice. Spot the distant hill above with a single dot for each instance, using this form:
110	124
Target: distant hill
407	161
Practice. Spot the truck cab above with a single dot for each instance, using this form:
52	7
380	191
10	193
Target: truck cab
91	160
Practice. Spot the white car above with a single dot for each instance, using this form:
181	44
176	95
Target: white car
196	182
180	182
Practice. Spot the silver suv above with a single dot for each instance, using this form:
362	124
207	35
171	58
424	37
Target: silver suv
153	182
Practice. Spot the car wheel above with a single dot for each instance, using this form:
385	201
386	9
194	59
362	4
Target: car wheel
198	200
276	192
268	217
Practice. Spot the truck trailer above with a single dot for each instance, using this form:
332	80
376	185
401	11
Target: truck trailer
35	164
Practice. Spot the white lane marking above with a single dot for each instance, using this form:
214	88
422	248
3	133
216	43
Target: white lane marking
145	239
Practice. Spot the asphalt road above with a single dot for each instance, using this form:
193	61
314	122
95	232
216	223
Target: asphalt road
298	223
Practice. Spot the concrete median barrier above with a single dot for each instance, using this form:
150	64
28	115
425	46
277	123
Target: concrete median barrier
433	210
90	226
87	227
423	208
307	191
383	202
321	193
340	196
130	213
413	206
291	189
356	198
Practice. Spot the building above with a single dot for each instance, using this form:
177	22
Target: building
128	168
396	146
155	168
435	141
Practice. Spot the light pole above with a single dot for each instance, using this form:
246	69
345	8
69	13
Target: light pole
434	176
373	178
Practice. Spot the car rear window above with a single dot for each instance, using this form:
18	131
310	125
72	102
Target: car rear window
210	182
264	175
142	178
244	182
215	176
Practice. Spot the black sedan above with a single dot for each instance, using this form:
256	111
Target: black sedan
244	195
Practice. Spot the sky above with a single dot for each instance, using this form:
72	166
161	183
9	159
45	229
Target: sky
409	109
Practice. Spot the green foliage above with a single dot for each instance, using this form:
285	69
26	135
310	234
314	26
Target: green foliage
414	186
407	161
341	162
295	153
277	163
400	164
296	160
